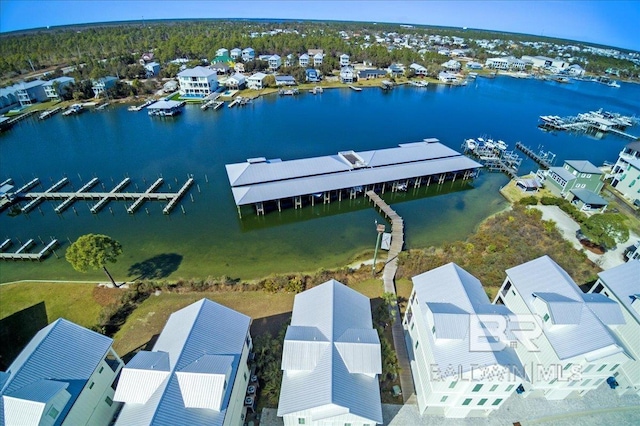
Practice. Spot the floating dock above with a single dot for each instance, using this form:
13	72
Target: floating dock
593	121
270	184
545	159
48	113
84	193
21	255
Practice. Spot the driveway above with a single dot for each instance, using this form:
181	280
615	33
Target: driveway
568	227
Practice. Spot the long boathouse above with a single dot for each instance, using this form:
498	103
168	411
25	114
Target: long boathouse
276	184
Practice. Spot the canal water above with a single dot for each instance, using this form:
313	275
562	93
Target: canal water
209	239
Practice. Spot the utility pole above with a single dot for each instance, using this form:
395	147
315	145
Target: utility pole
380	228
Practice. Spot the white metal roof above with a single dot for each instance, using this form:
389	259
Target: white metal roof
62	352
198	71
589	335
203	343
164	105
331	356
562	172
584	166
448	296
624	283
253	182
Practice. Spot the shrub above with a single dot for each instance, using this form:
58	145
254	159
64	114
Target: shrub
528	201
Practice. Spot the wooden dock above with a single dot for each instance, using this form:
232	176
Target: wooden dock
388	278
20	255
68	198
535	157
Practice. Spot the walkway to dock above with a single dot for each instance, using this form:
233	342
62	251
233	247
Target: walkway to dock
388	277
535	157
20	253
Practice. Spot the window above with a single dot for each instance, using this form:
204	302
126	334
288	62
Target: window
589	367
300	421
509	388
444	398
452	385
101	370
602	367
586	382
598	382
109	401
497	401
614	367
476	388
553	381
568	366
91	385
467	401
417	343
53	413
244	375
546	317
493	388
433	329
573	383
482	401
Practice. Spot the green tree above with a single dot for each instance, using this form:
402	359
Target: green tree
93	251
606	230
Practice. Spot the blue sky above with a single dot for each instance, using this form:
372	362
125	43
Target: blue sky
613	23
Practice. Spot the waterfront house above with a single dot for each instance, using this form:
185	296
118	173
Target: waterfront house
419	70
198	82
56	87
29	92
64	376
274	62
443	321
626	172
256	81
331	360
236	81
235	53
506	63
103	84
473	65
289	60
371	73
248	54
395	70
571	349
152	69
318	58
622	285
447	77
543	62
575	70
574	174
347	75
451	65
8	98
344	60
285	80
587	201
303	60
222	52
196	373
312	75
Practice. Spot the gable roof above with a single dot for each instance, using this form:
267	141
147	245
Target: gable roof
622	281
589	197
198	71
331	356
582	332
63	355
584	166
563	173
183	379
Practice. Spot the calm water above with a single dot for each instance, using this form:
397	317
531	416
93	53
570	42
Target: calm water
210	239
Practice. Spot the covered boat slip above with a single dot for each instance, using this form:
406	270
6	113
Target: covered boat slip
348	173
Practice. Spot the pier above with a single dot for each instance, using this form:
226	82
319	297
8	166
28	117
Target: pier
388	278
84	193
494	156
545	159
20	253
593	121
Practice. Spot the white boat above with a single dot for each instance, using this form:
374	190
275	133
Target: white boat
402	187
471	144
74	109
357	89
501	145
489	143
480	141
613	83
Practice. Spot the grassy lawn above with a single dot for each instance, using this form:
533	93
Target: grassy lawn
514	194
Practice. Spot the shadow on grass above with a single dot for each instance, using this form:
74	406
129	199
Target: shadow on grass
148	346
18	329
272	324
157	267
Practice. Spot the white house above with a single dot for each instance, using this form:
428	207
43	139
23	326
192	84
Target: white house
64	376
101	85
248	54
452	65
275	62
347	75
626	172
303	60
317	59
545	62
256	81
289	60
331	360
196	374
197	82
622	285
573	347
419	70
152	69
222	52
443	321
344	60
506	63
236	81
236	53
575	70
447	77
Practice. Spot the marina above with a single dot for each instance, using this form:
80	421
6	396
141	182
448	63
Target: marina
544	158
23	252
494	155
48	113
68	198
74	109
136	108
593	121
274	184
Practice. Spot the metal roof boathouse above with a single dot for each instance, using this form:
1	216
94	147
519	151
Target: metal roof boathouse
258	180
